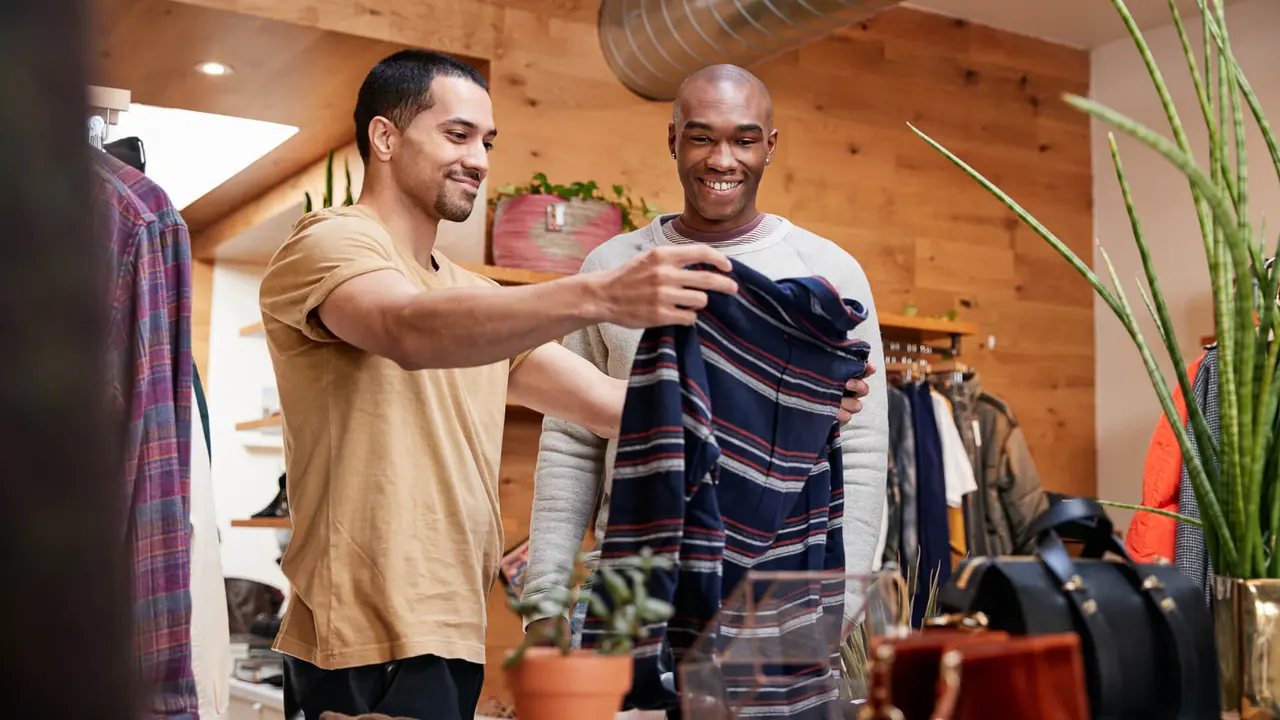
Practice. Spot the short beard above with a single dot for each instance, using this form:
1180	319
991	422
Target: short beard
453	209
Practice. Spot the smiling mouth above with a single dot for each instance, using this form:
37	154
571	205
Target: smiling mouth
721	186
466	181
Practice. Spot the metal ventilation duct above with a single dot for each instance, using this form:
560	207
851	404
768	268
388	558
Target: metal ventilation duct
652	45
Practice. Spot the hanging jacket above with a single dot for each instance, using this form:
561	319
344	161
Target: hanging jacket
1191	554
957	473
1003	468
975	503
933	525
888	549
1150	536
902	447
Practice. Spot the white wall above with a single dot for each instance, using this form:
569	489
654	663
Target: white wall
245	479
1126	407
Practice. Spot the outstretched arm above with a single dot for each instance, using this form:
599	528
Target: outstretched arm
383	313
338	281
561	384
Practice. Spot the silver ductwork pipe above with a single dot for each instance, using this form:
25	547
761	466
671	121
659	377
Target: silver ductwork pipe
652	45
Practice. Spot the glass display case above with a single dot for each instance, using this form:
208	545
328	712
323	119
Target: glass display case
791	645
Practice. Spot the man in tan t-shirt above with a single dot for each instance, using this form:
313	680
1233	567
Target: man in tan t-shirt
394	366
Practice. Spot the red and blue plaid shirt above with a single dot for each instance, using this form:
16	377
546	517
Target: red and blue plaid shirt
147	253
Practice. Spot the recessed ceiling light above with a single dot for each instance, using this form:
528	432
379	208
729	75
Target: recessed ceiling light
214	68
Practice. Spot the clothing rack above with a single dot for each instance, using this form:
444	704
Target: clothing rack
912	361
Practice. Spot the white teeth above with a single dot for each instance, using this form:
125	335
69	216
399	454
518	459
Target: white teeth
722	186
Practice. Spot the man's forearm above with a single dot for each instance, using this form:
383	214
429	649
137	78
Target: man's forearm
463	327
560	383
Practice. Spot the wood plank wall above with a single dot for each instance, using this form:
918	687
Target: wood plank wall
847	167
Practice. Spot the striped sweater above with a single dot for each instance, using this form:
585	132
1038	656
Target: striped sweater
729	443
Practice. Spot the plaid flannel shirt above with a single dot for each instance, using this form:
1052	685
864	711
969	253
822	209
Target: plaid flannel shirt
147	253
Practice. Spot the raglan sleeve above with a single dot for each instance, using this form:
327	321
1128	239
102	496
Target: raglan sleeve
864	439
313	263
567	481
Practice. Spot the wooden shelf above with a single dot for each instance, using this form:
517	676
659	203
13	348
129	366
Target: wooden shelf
935	332
927	325
511	276
278	523
269	422
254	329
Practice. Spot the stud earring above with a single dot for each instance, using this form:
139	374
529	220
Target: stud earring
673	156
766	161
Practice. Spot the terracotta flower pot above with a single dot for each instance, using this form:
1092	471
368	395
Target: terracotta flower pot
583	685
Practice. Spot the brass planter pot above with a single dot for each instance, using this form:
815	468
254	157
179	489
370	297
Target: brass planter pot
1246	618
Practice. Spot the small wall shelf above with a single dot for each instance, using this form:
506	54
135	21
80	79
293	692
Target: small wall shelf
511	276
272	422
278	523
254	329
926	330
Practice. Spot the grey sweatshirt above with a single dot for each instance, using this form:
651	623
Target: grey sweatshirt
574	470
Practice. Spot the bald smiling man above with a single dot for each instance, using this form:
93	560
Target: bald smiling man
721	138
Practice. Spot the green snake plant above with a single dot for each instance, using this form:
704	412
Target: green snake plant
1235	472
327	198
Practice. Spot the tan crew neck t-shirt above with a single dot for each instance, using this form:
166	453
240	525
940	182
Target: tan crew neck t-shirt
392	475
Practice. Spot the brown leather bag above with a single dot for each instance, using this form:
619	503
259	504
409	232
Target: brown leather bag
1037	677
917	662
957	675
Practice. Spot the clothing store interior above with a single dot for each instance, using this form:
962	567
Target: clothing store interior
552	359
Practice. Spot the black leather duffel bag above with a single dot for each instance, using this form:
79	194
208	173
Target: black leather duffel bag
1145	630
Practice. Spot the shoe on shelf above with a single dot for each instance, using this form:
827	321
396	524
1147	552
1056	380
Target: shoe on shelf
278	507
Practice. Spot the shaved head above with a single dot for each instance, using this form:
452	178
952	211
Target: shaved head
722	137
729	76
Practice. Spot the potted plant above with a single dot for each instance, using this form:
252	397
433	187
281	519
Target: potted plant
554	683
1234	473
550	227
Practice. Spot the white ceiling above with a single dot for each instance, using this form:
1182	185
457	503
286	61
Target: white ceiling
1080	23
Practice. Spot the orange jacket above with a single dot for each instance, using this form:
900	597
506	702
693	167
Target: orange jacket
1150	535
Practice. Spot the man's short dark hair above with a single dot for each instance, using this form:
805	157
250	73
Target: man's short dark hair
399	87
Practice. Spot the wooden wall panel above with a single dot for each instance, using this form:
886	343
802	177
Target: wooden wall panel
201	314
847	167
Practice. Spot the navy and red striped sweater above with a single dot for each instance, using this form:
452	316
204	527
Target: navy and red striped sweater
729	461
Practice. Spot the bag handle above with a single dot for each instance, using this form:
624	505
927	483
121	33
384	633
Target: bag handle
1074	515
1081	519
947	692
